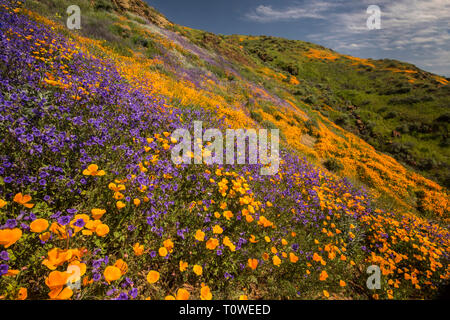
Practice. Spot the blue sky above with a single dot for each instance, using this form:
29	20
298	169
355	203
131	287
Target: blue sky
413	31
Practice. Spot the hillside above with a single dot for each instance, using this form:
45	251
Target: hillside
86	178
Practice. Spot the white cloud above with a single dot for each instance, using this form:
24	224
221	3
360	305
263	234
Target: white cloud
313	10
416	31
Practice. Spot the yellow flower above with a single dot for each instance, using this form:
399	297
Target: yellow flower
39	225
183	266
138	249
45	236
97	213
162	252
23	200
217	229
168	244
276	261
243	297
169	297
92	170
292	257
198	270
228	214
112	273
205	293
199	235
182	294
137	202
120	205
2	203
102	230
323	275
153	276
212	243
326	294
9	236
122	265
116	188
252	263
22	294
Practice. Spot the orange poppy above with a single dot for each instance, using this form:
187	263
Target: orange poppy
23	200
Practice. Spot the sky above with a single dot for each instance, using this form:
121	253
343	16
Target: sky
413	31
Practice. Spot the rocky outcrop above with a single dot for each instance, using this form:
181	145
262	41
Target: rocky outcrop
143	10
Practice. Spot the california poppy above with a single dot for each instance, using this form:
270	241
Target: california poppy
23	200
39	225
153	276
252	263
92	170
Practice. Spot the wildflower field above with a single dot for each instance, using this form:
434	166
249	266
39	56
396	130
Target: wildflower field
88	190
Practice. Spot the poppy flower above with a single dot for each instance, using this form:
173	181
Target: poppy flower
22	294
61	294
228	214
199	235
168	244
198	270
137	202
102	230
252	263
39	225
97	213
323	275
138	249
342	283
170	297
326	294
92	170
9	236
122	265
292	257
205	293
182	294
153	276
45	236
229	244
183	266
243	297
162	252
276	261
116	188
2	203
112	273
217	229
23	200
212	243
120	205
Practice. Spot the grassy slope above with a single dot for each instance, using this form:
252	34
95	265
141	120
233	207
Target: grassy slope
395	107
235	88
